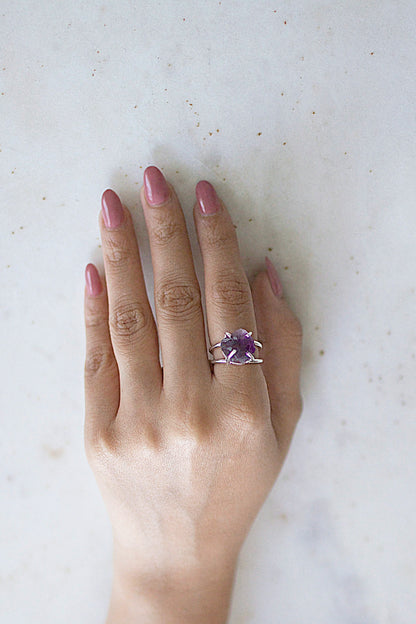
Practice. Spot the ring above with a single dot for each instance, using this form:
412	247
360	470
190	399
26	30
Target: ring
238	348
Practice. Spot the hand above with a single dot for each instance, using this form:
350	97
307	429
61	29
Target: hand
184	454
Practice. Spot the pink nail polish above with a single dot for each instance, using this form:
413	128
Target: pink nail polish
93	281
113	212
155	186
274	280
207	197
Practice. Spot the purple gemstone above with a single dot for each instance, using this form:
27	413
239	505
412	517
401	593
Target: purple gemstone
241	342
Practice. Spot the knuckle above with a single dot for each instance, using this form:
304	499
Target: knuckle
246	416
218	236
98	360
100	449
151	437
95	318
178	300
166	229
117	250
245	410
231	292
128	319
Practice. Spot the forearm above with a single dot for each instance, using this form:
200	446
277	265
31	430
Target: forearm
200	596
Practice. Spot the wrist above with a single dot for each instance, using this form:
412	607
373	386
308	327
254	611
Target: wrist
198	593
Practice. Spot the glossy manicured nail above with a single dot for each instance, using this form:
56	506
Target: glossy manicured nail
155	186
92	280
113	212
207	197
274	280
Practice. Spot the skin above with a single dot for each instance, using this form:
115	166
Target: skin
185	454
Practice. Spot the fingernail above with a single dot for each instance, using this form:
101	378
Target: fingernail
155	186
113	213
207	197
274	280
92	280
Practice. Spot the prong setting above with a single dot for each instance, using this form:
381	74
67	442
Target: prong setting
238	348
230	355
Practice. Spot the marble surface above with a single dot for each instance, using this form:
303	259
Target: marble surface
302	115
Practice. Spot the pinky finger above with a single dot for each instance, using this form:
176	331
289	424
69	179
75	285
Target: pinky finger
101	377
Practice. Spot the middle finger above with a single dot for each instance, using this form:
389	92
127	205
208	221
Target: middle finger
177	295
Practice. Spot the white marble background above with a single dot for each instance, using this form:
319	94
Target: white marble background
303	116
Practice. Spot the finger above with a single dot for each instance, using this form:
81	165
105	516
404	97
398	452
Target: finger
132	327
227	291
101	379
179	313
281	333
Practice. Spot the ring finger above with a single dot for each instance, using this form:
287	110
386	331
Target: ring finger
227	290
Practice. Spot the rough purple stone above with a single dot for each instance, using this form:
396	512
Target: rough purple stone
241	341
